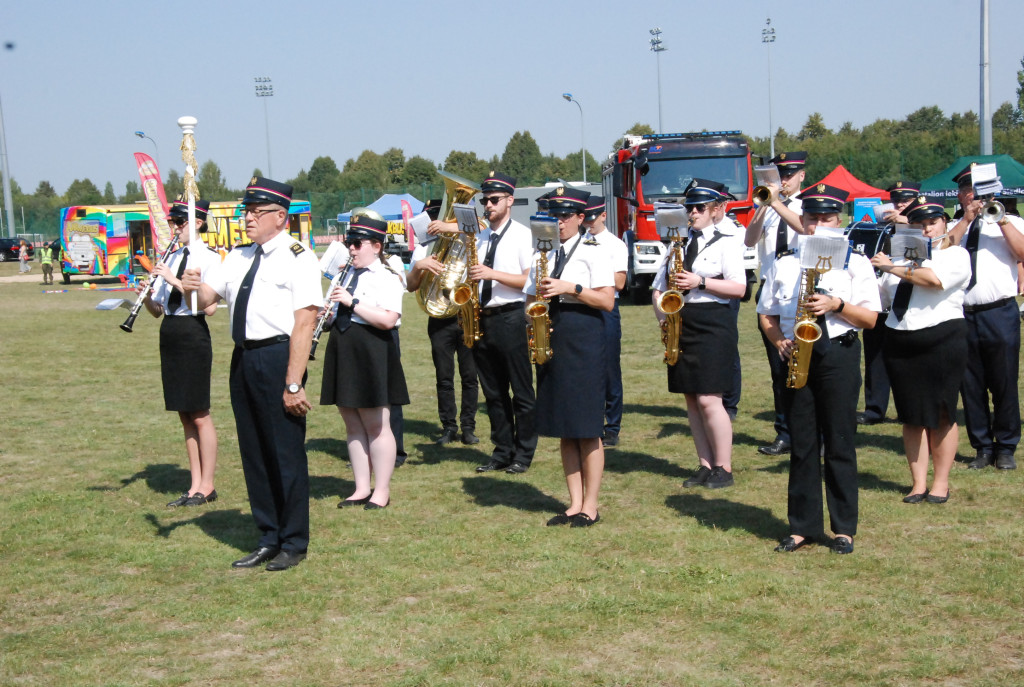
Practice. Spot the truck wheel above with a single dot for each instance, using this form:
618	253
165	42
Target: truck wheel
66	277
639	294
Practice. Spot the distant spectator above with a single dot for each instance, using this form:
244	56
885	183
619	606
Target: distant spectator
46	258
23	258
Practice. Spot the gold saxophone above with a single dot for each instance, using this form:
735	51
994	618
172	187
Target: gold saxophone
539	328
805	332
467	297
435	292
670	302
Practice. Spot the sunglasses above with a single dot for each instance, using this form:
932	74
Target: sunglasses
176	222
354	243
563	214
491	200
700	207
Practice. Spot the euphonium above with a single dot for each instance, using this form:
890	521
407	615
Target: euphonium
805	332
435	292
670	302
763	195
466	297
539	328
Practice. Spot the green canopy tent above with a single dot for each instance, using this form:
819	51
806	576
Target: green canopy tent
942	186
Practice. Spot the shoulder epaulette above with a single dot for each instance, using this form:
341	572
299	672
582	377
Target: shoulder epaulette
784	253
297	248
590	241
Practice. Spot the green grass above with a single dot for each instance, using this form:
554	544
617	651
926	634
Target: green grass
459	582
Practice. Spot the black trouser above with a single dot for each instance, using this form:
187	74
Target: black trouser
993	363
272	444
826	408
446	345
779	370
503	363
876	379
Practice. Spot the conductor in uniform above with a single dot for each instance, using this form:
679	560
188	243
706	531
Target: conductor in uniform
273	290
502	356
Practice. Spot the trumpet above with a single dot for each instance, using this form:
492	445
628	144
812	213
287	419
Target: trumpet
764	195
993	211
150	287
321	321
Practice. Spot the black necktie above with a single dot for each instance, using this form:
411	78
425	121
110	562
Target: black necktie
174	302
901	301
242	299
559	260
690	256
781	238
492	247
973	234
344	318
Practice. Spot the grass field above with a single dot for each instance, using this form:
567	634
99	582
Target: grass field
458	582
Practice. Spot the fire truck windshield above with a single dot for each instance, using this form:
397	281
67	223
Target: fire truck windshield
671	176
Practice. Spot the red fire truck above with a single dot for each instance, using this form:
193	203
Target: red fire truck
659	167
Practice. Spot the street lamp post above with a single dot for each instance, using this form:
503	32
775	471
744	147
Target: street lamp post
142	134
657	47
8	198
583	143
768	37
265	89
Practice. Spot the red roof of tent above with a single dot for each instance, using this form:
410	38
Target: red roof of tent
840	177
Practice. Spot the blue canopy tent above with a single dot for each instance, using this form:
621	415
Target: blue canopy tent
389	206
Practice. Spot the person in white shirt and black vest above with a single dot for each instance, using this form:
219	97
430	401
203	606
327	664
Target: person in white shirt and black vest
273	290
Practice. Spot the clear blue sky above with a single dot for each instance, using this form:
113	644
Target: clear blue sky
429	77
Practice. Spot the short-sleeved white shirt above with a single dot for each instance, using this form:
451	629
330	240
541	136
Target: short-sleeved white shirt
929	307
996	266
589	266
514	255
202	258
716	259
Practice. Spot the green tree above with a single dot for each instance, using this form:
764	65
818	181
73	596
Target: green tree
45	190
418	170
522	159
814	128
394	159
1019	112
324	175
638	129
174	185
926	119
467	166
132	194
368	171
83	192
109	197
1004	119
211	182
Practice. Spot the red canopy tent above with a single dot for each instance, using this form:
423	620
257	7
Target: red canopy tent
840	177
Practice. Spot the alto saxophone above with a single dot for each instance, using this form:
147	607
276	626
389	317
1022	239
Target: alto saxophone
805	332
671	302
467	297
539	328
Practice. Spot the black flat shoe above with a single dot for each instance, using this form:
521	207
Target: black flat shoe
699	478
560	519
932	498
842	545
180	501
915	498
257	557
370	505
581	519
198	498
347	503
468	438
285	560
789	544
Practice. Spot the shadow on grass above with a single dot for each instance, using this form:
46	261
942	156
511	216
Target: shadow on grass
432	454
865	480
493	491
163	478
631	461
336	448
231	527
329	486
715	513
656	411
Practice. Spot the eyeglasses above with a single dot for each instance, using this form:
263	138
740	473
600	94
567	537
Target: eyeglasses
354	243
699	208
563	215
491	200
259	212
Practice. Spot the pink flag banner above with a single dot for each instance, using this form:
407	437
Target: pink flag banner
410	235
153	188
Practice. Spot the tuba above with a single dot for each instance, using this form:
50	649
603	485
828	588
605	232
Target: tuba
670	302
451	250
538	330
805	332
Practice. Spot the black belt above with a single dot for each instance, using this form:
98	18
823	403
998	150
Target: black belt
988	306
250	344
845	339
498	309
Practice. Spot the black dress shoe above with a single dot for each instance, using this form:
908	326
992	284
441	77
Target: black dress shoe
447	437
400	459
789	544
491	466
776	448
842	545
916	498
285	560
348	503
560	519
180	501
516	469
581	519
370	505
610	440
468	438
719	478
865	419
257	557
198	498
982	461
699	478
1005	461
932	498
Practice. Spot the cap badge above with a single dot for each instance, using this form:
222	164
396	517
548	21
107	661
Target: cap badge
560	190
491	174
252	182
693	184
899	184
821	188
782	156
922	199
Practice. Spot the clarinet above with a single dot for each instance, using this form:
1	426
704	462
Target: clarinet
150	287
328	307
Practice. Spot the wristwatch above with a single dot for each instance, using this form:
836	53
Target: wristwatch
702	284
355	302
579	289
293	388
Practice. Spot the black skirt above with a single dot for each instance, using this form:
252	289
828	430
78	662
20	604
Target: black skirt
708	343
186	358
926	367
362	369
571	385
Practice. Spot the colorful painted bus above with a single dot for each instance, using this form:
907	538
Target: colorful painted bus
100	240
